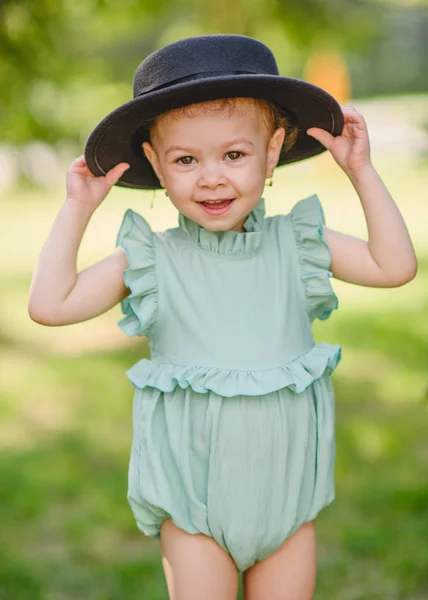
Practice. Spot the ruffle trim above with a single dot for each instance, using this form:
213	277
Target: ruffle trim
141	306
296	375
307	220
229	243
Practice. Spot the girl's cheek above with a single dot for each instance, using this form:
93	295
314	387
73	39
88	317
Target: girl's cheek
174	170
180	183
251	176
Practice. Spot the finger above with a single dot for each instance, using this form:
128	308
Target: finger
79	166
350	110
351	115
322	136
80	160
353	129
116	173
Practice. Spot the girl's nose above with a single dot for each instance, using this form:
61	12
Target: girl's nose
211	176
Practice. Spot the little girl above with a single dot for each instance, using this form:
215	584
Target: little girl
233	449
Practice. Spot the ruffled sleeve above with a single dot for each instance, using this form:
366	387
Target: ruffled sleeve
141	306
307	220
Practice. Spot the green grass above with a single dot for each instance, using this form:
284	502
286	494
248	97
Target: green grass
67	531
65	427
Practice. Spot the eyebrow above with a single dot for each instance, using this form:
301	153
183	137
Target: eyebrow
239	140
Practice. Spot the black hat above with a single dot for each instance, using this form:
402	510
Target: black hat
198	69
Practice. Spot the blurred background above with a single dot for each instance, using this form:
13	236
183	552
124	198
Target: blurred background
65	429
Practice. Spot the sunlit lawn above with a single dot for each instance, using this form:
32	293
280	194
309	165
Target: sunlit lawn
66	529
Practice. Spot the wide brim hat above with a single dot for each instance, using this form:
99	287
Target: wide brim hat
199	69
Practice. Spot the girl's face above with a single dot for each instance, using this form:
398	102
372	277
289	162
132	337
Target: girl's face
214	162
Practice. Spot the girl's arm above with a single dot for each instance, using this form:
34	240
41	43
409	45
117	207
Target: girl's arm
387	259
58	294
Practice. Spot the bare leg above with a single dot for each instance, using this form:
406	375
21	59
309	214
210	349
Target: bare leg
196	566
289	573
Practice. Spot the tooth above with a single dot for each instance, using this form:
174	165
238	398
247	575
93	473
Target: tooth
214	201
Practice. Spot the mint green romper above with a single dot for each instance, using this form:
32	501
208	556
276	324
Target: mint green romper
233	416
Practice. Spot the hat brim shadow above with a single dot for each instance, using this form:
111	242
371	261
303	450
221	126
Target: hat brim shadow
118	137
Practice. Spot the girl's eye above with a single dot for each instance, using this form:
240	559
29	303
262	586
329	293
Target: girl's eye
234	154
185	160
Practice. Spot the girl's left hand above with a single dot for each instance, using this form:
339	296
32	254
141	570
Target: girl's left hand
350	149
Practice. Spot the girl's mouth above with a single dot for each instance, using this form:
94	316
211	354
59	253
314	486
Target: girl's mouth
216	207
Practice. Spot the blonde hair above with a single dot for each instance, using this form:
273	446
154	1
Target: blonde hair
273	117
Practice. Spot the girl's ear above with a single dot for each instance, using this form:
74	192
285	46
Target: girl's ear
153	159
274	150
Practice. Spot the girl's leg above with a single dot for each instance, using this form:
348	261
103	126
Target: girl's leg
196	566
289	573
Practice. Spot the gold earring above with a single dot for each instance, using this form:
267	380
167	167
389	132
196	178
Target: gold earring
270	181
166	194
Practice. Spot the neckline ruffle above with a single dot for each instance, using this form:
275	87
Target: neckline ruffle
228	242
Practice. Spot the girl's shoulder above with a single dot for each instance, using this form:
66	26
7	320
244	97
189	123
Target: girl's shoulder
136	235
303	223
306	214
133	228
141	306
301	234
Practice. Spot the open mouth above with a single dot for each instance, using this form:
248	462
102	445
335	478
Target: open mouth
216	207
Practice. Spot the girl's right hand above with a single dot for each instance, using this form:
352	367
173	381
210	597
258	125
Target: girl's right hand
86	189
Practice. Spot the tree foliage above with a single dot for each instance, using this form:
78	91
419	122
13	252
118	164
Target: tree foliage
54	50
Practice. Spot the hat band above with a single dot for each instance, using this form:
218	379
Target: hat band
195	76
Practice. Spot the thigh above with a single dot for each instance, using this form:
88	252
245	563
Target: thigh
196	566
289	573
